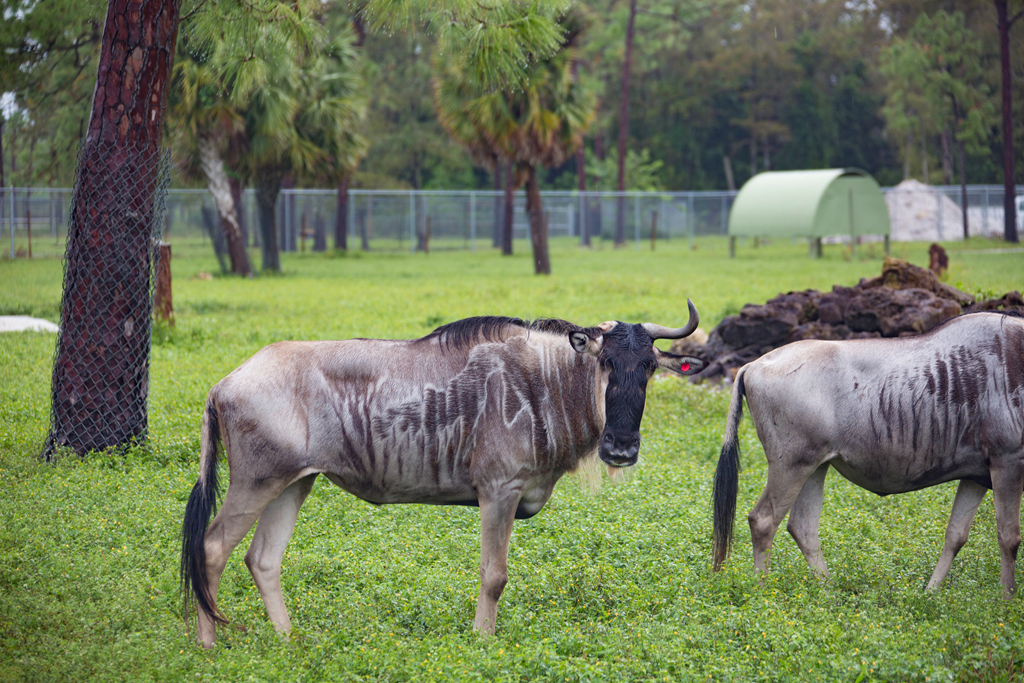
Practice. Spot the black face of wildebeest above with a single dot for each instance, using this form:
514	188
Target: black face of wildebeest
627	353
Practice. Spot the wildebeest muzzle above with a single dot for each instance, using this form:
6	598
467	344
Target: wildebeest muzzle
619	450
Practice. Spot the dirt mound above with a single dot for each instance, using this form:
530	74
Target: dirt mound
904	300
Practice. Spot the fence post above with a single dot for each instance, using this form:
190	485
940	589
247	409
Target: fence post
636	220
472	222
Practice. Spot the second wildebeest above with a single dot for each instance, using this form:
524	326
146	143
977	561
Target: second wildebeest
485	411
890	415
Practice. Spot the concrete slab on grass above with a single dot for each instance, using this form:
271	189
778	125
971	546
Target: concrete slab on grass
21	323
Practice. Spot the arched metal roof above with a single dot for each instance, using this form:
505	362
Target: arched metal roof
835	201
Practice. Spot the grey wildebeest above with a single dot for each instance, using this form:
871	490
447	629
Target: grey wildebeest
486	411
890	415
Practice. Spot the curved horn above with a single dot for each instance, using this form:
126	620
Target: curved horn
659	332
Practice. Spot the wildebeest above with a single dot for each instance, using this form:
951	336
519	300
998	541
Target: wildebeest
486	411
890	415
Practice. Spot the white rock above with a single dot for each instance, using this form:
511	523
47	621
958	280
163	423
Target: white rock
22	323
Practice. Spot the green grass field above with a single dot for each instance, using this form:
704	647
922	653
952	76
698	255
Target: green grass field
610	586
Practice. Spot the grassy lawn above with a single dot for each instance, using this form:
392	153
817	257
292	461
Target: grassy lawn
610	586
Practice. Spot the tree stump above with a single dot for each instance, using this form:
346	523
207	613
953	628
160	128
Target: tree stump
163	307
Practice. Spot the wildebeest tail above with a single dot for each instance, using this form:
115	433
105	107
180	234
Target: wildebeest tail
727	477
202	503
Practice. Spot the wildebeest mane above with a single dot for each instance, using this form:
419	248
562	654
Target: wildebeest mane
465	333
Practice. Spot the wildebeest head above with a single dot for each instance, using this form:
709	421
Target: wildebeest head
626	352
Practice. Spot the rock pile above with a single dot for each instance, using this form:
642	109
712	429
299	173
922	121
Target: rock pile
904	300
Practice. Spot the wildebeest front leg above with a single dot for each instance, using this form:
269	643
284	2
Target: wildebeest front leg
497	514
804	518
273	531
1007	483
965	504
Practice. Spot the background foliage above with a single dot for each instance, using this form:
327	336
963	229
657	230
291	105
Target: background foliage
766	84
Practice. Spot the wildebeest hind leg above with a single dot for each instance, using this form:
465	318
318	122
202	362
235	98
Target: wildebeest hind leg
965	504
1007	483
273	531
804	518
497	514
784	484
241	508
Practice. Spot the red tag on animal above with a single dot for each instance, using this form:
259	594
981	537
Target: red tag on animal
684	367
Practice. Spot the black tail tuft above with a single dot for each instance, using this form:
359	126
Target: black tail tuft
727	479
202	504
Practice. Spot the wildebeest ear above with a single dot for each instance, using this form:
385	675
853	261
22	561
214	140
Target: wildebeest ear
681	365
584	343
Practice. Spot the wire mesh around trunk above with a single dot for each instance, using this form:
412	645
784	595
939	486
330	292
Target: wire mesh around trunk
101	368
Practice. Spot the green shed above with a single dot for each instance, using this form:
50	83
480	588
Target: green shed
809	204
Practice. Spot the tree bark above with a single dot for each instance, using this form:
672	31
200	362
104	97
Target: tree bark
947	156
101	371
924	158
212	227
223	199
620	209
341	217
319	232
538	226
730	183
581	176
963	185
237	200
496	227
268	187
1009	176
509	217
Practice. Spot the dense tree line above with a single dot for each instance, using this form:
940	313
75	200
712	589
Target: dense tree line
718	90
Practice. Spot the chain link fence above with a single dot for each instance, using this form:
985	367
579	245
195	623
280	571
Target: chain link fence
400	220
101	368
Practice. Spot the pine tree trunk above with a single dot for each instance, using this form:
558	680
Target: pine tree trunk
620	208
730	183
581	176
947	156
268	187
101	371
496	227
963	185
538	226
220	188
341	217
1009	177
509	217
924	158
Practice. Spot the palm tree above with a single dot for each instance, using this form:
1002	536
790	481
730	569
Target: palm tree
202	122
303	124
540	125
332	110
